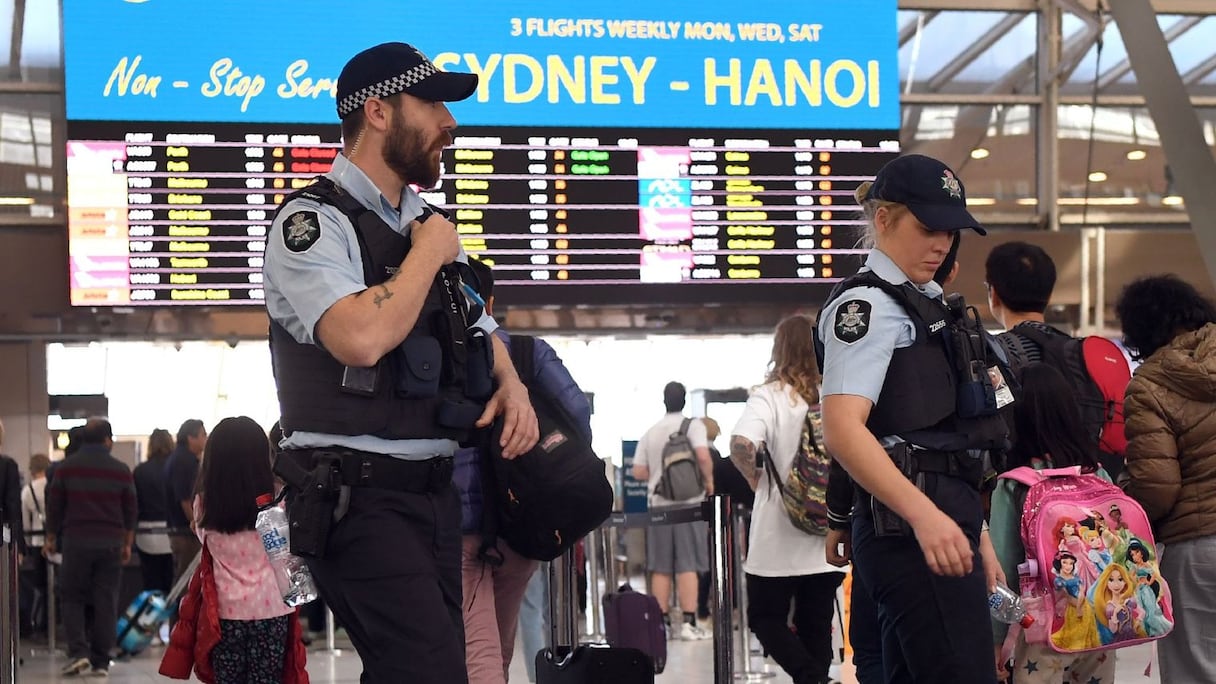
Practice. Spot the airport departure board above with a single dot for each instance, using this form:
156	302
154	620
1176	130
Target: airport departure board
712	159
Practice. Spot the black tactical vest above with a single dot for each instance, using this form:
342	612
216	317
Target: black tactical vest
919	396
411	391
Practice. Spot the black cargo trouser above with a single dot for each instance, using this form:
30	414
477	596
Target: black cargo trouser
934	629
391	575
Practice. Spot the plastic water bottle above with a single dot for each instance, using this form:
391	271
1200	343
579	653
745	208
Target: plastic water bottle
1006	606
290	571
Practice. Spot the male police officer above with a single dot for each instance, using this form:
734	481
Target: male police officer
382	366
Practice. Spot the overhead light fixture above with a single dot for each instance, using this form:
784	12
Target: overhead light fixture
980	153
1097	176
981	201
1028	201
1172	200
16	201
1137	155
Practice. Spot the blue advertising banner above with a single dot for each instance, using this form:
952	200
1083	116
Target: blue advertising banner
762	64
635	496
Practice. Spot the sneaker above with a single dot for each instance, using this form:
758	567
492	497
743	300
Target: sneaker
99	672
693	633
75	667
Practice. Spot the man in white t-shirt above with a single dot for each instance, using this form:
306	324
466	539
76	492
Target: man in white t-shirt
675	551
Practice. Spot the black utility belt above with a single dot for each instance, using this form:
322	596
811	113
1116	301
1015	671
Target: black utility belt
354	468
913	460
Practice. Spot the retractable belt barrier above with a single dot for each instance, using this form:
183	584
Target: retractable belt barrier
715	510
9	619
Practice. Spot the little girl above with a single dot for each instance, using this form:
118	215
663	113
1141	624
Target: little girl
234	628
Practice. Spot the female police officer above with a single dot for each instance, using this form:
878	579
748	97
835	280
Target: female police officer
907	408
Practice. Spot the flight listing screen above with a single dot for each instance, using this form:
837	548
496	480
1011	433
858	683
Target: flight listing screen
631	153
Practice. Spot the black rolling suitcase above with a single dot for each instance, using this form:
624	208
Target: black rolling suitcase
591	664
586	663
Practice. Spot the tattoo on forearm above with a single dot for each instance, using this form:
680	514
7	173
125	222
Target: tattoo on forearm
743	455
382	295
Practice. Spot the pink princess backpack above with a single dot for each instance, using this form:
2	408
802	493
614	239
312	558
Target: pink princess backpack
1091	580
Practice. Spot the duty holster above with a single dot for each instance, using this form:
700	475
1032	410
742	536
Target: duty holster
315	490
888	523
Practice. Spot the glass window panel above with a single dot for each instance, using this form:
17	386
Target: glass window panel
1114	52
16	127
41	49
31	144
940	41
1195	46
992	149
1007	53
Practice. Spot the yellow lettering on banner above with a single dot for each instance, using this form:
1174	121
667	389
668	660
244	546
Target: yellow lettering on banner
511	94
763	82
305	87
637	76
731	80
469	214
599	79
472	184
236	84
574	82
127	79
183	278
811	86
832	75
872	87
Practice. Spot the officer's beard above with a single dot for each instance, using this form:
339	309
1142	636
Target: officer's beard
408	155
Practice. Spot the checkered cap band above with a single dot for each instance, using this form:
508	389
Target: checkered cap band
397	84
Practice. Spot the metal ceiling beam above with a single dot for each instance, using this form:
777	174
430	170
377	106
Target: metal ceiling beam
1198	72
1178	126
971	124
909	32
977	48
1118	71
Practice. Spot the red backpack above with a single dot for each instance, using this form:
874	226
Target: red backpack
1095	583
1096	369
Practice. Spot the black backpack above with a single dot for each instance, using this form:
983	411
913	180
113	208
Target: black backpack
547	499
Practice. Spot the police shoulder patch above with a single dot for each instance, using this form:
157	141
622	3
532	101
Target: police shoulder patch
852	321
301	230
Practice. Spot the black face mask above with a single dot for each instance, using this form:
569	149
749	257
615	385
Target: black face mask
943	271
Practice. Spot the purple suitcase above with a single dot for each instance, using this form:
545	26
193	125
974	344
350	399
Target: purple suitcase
633	620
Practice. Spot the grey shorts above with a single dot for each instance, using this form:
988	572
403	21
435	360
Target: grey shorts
672	549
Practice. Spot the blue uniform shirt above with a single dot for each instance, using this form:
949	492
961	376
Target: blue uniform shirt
862	328
302	284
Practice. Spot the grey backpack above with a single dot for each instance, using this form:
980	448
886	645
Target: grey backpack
681	477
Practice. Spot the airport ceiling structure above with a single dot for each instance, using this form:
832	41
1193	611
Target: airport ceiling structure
1033	102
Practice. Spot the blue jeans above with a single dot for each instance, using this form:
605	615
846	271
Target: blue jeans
534	618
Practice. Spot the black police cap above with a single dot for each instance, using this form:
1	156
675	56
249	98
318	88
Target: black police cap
929	189
391	68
